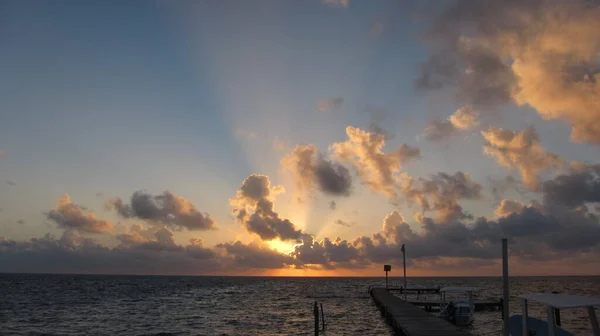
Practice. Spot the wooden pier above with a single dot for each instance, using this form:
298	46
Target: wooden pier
409	320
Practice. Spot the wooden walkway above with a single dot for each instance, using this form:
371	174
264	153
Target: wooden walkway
409	320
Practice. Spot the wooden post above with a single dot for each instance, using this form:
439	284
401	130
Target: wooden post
322	316
594	321
557	316
525	331
506	298
316	313
551	324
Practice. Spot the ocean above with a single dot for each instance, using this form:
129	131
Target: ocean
208	305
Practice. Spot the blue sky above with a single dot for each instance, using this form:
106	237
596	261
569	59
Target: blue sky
194	96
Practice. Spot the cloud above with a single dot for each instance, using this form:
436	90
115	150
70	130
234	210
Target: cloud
463	119
537	53
311	169
337	3
154	254
579	186
535	232
245	134
167	209
520	150
508	207
11	183
378	170
344	223
20	221
441	193
253	206
70	216
329	104
255	256
327	254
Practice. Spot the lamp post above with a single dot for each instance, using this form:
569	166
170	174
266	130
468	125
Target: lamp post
404	263
387	268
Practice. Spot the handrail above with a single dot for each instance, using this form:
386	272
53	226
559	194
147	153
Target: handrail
316	315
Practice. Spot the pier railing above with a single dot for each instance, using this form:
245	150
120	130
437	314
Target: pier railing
319	315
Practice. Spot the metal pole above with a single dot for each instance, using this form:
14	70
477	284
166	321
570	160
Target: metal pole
386	280
322	316
505	311
404	263
316	313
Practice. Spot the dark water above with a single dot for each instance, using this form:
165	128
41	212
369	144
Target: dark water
142	305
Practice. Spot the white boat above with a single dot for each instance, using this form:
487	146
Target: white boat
523	325
459	313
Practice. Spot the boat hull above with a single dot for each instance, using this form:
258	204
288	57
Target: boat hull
536	327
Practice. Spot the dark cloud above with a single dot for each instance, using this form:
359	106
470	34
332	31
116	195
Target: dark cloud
579	186
327	254
70	216
154	255
255	256
311	169
254	208
167	209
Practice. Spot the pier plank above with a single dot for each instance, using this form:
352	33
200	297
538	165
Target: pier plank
409	320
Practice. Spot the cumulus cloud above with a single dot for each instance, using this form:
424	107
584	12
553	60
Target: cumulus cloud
364	151
463	119
311	169
520	150
70	216
167	209
441	193
329	104
537	53
337	3
579	186
327	254
254	206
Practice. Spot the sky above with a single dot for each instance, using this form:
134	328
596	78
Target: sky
300	138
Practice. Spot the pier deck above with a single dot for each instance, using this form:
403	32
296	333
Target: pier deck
409	320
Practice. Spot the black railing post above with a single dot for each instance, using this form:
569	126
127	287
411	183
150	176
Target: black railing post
322	316
316	313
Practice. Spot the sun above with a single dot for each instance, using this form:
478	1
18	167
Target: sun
281	246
